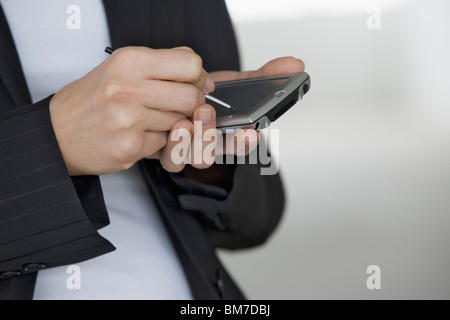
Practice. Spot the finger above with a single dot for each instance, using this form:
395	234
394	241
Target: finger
247	141
180	65
174	155
155	120
153	143
241	142
203	144
170	96
156	94
279	66
205	82
121	116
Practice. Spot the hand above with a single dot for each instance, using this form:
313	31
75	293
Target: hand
275	67
122	110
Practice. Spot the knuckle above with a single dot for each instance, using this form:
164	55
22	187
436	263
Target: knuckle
129	58
194	64
113	91
120	57
123	55
125	120
121	117
127	149
192	97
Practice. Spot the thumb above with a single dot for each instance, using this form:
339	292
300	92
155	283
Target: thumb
203	145
281	66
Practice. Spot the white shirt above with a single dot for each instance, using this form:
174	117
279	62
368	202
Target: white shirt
57	44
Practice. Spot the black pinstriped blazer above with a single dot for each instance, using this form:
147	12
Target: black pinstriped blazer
48	218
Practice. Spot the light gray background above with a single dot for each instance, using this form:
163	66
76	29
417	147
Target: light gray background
365	157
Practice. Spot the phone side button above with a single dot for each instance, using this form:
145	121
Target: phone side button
280	93
262	123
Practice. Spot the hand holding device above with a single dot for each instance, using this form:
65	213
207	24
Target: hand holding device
274	68
258	101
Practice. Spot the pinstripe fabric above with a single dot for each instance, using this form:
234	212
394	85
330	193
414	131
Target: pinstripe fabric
46	217
42	219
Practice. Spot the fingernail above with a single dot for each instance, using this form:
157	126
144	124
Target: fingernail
205	116
209	85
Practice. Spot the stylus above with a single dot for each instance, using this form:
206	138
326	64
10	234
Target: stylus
220	102
207	96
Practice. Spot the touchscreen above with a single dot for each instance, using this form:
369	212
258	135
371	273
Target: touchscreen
245	97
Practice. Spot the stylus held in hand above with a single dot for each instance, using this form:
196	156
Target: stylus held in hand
207	96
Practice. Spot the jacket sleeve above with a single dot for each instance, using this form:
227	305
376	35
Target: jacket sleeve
47	218
242	217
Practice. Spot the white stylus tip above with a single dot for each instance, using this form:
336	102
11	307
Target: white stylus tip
219	102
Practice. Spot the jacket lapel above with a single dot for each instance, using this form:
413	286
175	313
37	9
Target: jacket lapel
199	263
151	23
11	73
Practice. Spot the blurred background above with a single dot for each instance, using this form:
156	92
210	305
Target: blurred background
365	156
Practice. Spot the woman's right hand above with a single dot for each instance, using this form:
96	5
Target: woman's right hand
123	110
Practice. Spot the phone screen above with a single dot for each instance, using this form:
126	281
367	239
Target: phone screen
245	96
